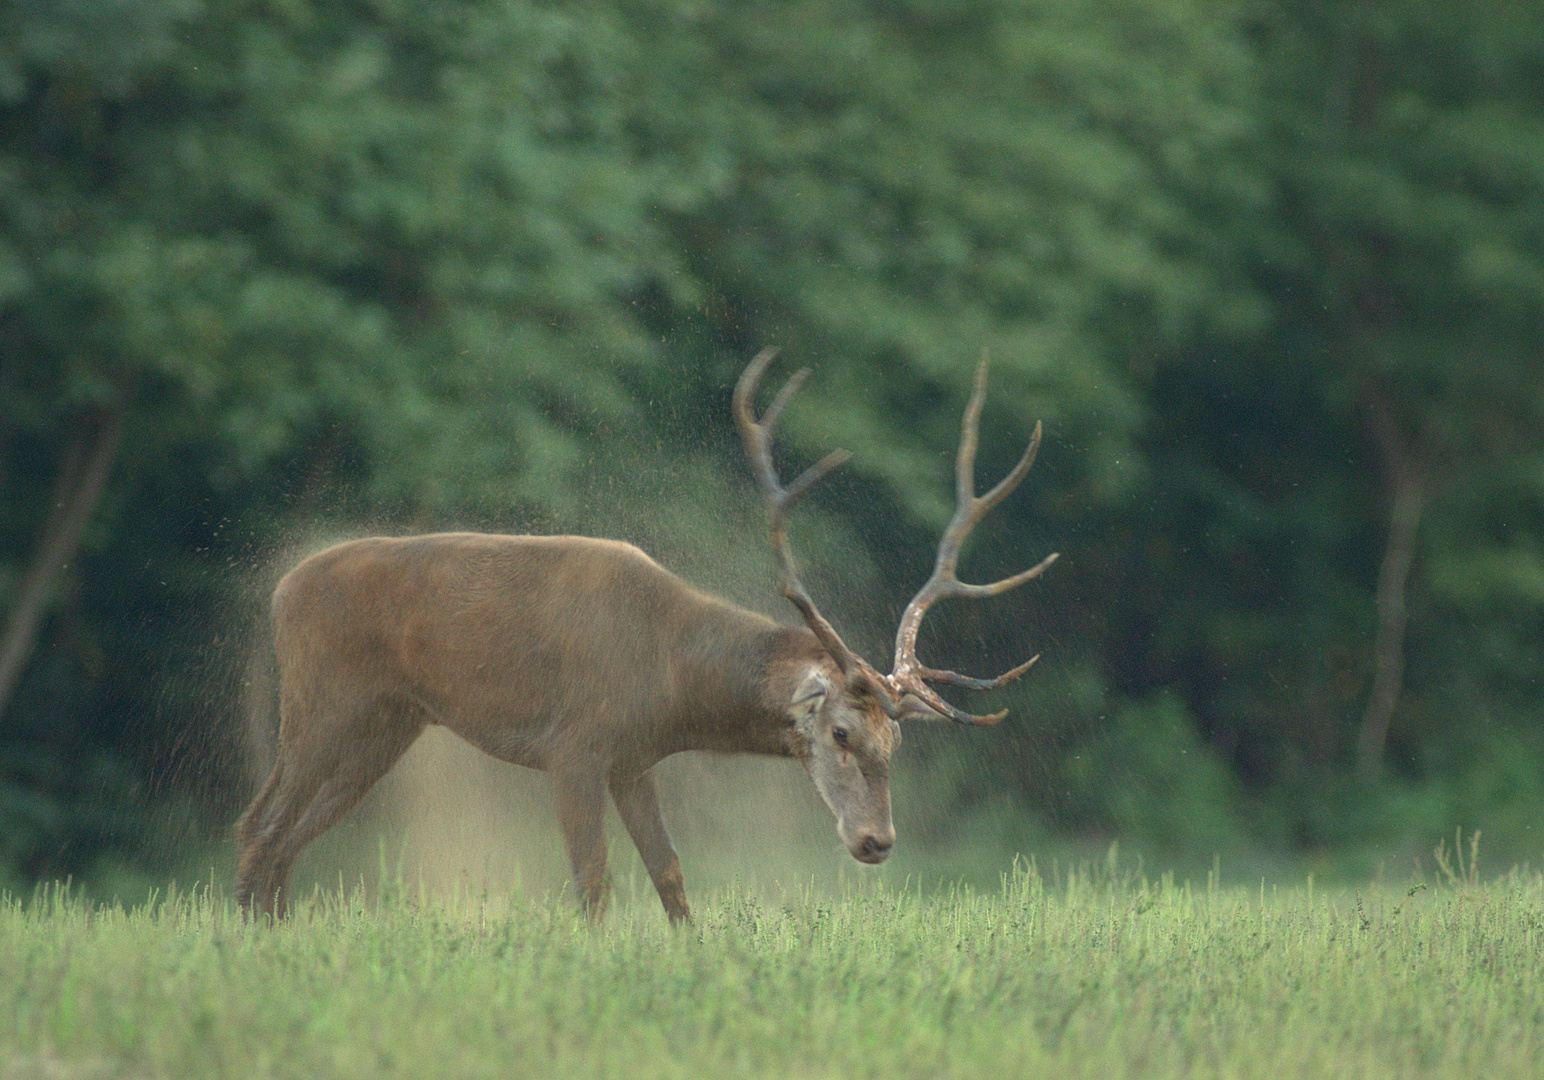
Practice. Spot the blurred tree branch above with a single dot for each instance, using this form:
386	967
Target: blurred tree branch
1407	483
84	469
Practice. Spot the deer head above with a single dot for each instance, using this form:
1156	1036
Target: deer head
845	714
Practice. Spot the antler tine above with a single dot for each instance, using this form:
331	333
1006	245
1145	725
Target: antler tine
954	678
965	458
937	705
908	672
757	437
1005	486
969	508
964	591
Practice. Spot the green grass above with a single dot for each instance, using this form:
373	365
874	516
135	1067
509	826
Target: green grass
1064	978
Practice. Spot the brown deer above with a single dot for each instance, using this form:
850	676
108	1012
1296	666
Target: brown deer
585	658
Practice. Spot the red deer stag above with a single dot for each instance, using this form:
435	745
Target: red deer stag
586	658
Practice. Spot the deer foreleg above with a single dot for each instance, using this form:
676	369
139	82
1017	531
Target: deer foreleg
581	806
638	807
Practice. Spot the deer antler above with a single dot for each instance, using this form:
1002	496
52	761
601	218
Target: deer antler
758	446
908	673
908	677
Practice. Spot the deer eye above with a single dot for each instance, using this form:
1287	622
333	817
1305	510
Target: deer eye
840	735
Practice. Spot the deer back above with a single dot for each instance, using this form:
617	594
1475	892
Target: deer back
526	641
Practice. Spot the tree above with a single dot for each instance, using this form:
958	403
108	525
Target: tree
1409	173
1267	272
388	243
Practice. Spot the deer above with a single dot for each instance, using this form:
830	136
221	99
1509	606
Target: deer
585	658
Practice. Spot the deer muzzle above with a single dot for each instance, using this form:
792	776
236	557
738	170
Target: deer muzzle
874	847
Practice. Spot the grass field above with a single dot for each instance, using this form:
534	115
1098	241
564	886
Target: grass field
1072	976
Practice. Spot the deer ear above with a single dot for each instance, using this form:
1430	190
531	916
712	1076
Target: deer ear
814	685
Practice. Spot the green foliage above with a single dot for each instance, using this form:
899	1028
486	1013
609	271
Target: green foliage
900	188
392	266
1153	778
1385	200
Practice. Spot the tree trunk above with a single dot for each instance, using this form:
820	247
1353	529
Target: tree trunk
83	474
1409	495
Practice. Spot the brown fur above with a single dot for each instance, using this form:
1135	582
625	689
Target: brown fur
579	656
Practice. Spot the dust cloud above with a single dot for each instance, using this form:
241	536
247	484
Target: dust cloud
450	820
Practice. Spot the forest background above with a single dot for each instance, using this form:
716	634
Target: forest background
1270	271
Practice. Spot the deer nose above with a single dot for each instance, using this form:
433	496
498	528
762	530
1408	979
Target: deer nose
875	848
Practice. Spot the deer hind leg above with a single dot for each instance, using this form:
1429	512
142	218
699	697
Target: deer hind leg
581	806
254	832
638	806
310	790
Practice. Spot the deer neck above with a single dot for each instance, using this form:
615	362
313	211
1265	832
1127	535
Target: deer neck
790	655
740	700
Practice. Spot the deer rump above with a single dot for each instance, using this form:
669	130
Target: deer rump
585	658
